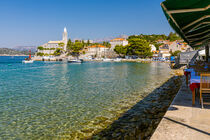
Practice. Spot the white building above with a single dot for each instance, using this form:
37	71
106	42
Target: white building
153	48
50	47
118	41
168	46
179	46
97	51
164	51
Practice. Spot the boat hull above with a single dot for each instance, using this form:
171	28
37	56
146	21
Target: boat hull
27	61
75	61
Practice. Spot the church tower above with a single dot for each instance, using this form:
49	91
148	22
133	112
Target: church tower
65	38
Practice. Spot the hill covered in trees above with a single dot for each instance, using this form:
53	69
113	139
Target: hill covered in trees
8	51
139	45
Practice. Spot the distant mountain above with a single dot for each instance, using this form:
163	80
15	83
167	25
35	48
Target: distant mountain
110	38
7	51
25	48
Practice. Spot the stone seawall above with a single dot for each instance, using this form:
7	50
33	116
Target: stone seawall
143	118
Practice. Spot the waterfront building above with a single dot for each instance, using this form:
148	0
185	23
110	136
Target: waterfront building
50	47
118	41
98	51
179	45
164	51
155	53
172	46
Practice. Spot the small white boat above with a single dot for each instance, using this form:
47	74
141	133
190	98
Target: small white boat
78	61
27	61
118	60
107	60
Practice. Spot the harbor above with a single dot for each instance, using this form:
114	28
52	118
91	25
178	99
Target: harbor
105	70
53	104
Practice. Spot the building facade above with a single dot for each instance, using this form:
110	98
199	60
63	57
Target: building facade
164	51
96	51
50	47
118	41
168	46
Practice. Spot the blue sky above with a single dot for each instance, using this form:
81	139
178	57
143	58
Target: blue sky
34	22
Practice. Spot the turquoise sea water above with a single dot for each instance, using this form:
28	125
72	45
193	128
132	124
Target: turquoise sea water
50	99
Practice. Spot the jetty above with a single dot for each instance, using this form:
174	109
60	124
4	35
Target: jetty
58	58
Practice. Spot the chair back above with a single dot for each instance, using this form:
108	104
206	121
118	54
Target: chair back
205	81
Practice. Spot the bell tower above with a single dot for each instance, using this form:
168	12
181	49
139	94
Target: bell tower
65	38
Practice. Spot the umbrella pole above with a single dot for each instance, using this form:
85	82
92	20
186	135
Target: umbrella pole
207	52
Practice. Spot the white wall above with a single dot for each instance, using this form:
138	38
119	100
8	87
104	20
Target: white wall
115	43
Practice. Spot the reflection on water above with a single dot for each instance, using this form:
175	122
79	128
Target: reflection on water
49	99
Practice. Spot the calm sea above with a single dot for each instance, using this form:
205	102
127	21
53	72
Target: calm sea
48	99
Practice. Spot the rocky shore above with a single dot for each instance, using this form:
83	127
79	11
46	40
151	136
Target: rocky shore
142	119
137	121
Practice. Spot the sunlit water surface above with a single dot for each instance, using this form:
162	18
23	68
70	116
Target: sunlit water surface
50	98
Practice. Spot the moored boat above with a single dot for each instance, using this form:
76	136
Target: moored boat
28	60
78	61
107	60
117	60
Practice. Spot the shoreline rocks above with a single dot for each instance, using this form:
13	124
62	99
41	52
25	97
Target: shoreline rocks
134	121
141	120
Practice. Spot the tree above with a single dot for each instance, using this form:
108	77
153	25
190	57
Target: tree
58	52
157	45
69	44
75	48
40	54
88	42
40	48
121	50
61	44
175	53
149	38
139	47
106	44
173	36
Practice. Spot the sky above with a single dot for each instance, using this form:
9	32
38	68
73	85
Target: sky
35	22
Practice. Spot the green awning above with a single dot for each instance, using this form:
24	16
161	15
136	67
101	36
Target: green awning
190	19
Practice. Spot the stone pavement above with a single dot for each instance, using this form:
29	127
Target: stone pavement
183	121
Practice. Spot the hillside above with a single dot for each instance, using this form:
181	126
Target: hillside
7	51
25	48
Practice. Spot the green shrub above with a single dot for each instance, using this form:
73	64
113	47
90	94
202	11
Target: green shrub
40	54
40	48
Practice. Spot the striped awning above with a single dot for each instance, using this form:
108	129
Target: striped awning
190	19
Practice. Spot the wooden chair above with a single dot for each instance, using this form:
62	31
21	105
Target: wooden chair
204	85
